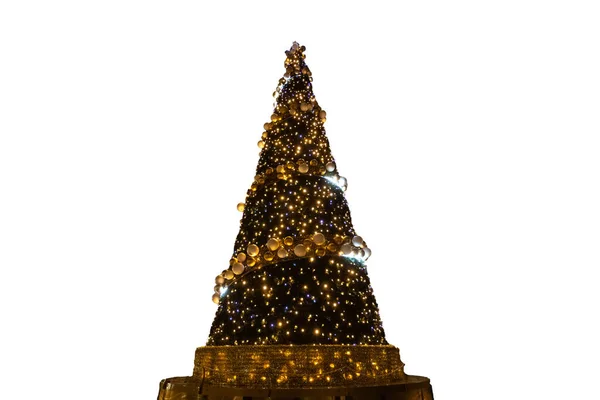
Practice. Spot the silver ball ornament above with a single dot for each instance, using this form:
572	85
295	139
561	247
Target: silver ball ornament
367	253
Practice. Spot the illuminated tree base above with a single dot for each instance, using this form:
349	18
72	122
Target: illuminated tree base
191	388
297	372
295	366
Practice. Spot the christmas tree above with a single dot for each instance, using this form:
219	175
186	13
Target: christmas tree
297	275
296	310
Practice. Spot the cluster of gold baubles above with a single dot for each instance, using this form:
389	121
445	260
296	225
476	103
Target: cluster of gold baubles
294	65
297	109
292	109
303	167
293	62
275	250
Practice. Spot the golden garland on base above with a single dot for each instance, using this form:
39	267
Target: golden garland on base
298	366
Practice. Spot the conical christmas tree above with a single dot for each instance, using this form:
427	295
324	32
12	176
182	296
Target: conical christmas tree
297	275
296	311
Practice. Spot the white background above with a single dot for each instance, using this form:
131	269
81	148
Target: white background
468	132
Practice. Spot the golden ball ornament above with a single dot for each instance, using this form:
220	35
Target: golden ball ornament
300	250
288	241
251	262
219	280
241	257
269	256
322	114
303	168
320	252
332	247
346	249
282	253
237	268
216	298
252	250
314	162
280	169
260	144
319	239
273	244
241	207
217	288
228	274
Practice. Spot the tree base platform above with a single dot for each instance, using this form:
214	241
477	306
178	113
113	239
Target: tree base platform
192	388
